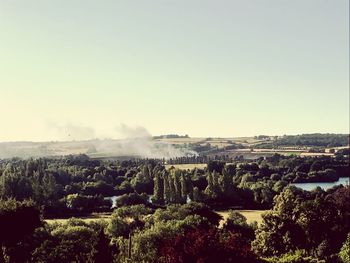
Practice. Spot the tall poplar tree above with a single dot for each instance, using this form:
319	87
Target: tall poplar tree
158	192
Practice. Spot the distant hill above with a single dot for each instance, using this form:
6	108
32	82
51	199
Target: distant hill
170	146
140	147
308	140
170	136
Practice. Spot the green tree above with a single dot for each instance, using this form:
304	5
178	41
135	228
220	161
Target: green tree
68	243
158	192
237	223
102	251
213	189
117	227
186	187
344	253
295	223
15	185
176	186
196	194
279	233
226	183
143	182
17	221
167	190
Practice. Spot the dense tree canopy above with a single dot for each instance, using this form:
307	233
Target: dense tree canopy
167	215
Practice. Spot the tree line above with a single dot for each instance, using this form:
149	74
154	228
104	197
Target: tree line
301	227
77	184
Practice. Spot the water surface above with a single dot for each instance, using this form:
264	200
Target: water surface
310	186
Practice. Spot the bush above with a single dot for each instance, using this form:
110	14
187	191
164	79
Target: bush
132	199
298	256
344	253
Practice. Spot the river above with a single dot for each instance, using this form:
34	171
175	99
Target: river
310	186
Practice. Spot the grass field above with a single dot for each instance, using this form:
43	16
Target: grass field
187	166
251	215
88	219
220	142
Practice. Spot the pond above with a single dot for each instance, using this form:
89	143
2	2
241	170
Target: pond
310	186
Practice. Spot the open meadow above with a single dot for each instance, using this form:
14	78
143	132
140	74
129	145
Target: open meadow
251	215
86	219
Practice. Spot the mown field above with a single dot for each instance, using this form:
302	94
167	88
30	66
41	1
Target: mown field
87	219
251	215
219	142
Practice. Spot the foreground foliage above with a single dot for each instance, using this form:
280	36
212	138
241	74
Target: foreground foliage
165	215
314	222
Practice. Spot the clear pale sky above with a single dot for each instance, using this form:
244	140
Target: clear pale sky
203	68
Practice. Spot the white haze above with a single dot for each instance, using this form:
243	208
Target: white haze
133	142
138	141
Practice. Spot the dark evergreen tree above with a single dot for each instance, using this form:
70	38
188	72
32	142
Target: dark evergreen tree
17	221
158	192
167	190
102	251
177	186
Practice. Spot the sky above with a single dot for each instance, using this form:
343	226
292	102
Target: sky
81	69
